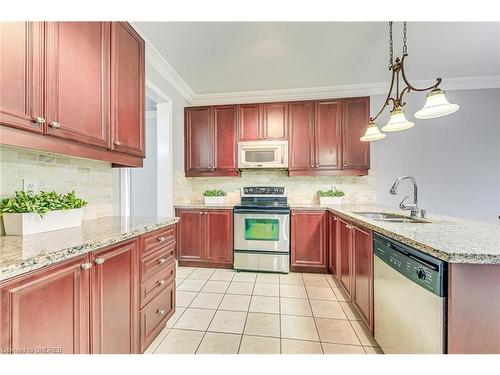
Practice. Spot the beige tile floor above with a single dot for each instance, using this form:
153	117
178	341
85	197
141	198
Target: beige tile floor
228	312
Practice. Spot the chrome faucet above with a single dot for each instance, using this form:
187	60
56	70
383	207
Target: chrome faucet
413	207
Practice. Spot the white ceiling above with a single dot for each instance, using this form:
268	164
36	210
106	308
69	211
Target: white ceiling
217	57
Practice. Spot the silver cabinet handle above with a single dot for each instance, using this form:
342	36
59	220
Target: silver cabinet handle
161	239
161	312
162	260
100	260
39	121
201	213
317	165
55	125
161	282
118	143
345	164
86	266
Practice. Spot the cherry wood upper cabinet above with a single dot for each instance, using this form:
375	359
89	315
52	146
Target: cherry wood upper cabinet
190	235
225	134
344	260
48	309
219	236
250	122
362	293
356	116
301	142
77	85
275	121
21	75
308	241
127	89
114	299
198	140
328	141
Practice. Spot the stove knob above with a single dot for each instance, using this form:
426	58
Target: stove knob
421	274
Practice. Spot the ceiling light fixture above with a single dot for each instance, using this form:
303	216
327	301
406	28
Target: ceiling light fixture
435	106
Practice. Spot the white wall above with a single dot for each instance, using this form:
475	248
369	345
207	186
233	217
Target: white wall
455	159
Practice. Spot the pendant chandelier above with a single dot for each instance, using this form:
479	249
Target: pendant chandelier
436	104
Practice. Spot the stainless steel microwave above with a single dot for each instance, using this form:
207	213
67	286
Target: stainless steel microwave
263	154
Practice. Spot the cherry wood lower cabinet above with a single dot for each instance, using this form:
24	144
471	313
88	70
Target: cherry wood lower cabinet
308	232
205	237
47	310
344	254
114	299
332	243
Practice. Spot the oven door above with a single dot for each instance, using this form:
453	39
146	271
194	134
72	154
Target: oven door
262	232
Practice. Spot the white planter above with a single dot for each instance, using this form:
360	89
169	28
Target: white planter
30	223
214	201
328	201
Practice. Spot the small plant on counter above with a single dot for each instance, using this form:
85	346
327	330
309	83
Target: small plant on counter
30	213
214	193
331	193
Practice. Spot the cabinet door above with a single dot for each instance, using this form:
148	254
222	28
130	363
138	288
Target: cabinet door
344	250
191	235
332	244
250	121
356	116
308	234
328	145
301	139
127	89
77	85
114	299
363	273
225	138
275	121
21	75
219	236
198	140
47	310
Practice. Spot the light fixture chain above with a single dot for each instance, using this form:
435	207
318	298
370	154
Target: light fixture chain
405	40
391	53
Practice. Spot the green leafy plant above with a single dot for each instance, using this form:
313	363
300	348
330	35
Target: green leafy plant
214	193
331	193
41	203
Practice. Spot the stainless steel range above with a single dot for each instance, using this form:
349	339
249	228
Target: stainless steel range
262	230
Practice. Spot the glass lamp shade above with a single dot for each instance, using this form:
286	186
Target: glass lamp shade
436	105
397	122
372	133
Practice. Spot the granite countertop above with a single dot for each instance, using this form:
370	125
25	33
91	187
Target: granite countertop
21	254
201	206
451	239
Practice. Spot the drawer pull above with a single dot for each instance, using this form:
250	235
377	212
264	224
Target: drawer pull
161	282
86	266
161	312
100	261
161	239
55	125
162	260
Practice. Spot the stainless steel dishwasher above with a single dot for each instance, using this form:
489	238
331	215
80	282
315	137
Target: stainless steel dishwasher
409	299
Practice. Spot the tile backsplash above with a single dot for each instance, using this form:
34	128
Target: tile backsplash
91	180
300	190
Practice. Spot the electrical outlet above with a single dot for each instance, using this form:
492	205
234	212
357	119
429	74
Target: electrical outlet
29	184
326	187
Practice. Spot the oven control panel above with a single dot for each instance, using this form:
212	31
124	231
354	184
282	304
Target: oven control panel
263	190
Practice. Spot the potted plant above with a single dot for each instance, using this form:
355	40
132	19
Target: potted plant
29	213
332	196
215	197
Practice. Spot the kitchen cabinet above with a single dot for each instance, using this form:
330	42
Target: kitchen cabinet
301	146
356	116
114	299
73	88
327	135
47	310
21	75
263	122
205	237
362	291
308	234
127	89
332	243
210	141
344	260
77	81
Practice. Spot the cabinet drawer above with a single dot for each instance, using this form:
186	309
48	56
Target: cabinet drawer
157	283
157	261
155	315
157	239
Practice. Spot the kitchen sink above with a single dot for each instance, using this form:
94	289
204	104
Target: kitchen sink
391	218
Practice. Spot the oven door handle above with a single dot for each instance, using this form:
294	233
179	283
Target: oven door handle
261	212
